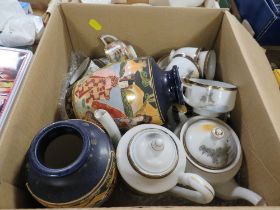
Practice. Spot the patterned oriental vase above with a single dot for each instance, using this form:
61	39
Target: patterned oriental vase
71	164
134	92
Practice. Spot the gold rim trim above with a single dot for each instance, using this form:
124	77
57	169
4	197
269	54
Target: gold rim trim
196	55
88	199
206	64
143	173
183	55
190	82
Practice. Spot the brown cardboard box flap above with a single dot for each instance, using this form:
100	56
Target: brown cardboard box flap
268	91
35	106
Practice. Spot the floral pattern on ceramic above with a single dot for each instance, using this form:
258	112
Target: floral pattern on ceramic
128	91
117	50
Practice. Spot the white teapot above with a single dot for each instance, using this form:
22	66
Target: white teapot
213	151
151	159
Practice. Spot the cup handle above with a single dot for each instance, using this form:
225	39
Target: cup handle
202	192
171	55
103	38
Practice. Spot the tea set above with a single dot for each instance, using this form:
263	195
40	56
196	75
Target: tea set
117	108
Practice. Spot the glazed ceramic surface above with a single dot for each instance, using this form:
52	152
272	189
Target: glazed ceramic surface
190	52
117	50
210	143
209	98
128	91
204	60
186	67
78	183
151	159
213	151
207	63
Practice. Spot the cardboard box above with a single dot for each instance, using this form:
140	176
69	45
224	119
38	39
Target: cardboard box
153	31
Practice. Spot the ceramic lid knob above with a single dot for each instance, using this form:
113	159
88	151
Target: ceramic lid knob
210	144
218	133
153	153
158	144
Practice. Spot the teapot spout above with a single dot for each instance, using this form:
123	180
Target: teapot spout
109	125
231	191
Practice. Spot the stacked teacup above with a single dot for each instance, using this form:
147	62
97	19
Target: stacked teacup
197	70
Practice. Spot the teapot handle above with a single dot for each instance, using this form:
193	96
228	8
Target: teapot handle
203	192
103	38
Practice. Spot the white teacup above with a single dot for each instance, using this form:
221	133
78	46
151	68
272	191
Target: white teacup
186	67
116	50
206	60
209	98
190	52
207	63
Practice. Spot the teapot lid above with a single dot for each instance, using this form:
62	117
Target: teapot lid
153	153
210	143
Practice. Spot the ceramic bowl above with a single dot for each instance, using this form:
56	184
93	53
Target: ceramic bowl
208	97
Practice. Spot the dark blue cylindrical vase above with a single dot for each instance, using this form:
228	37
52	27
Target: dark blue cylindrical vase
71	164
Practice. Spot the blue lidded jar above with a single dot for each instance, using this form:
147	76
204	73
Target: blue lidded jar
71	164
